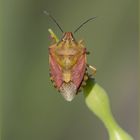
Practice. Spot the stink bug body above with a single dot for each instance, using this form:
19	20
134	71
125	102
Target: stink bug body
68	65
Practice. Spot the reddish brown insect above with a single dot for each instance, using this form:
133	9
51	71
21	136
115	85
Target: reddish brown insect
68	64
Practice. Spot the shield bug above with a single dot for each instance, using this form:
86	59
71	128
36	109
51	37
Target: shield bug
68	64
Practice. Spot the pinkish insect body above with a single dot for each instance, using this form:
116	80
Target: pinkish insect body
67	60
68	65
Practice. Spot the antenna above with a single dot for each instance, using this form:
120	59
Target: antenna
48	14
84	23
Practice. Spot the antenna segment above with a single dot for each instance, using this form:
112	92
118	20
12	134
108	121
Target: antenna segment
48	14
84	23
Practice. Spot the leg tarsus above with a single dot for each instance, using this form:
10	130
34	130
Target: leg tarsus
92	68
87	52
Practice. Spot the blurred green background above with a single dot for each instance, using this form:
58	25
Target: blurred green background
31	108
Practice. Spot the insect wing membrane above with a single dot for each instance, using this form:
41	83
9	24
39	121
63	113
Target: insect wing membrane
68	91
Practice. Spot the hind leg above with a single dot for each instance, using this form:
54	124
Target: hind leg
92	68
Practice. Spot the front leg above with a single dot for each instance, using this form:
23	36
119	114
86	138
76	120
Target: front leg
81	42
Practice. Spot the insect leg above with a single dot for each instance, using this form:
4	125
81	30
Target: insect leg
92	68
87	52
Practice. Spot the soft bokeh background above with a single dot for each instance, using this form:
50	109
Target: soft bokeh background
32	108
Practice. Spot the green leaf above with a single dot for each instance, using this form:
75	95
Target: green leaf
97	101
53	35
